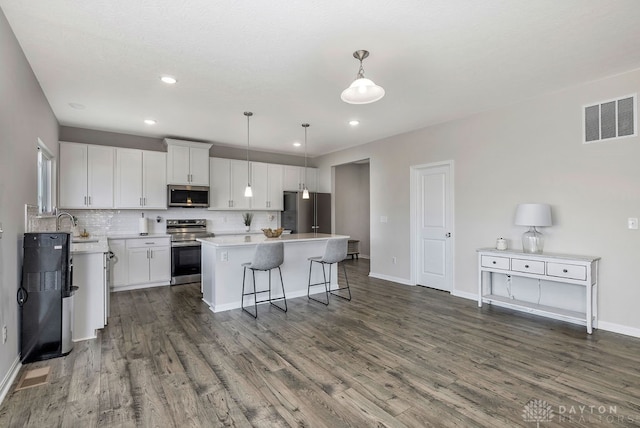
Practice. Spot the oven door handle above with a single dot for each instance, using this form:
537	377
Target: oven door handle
186	244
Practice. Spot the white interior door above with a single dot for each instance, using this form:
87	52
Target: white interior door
434	219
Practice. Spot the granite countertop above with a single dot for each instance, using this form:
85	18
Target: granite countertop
253	239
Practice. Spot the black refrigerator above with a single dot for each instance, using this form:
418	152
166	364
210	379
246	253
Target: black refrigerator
45	297
306	215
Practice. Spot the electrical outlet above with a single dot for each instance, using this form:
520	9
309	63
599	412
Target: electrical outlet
632	223
4	334
394	260
224	256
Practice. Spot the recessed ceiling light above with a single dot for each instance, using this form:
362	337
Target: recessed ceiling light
354	122
168	80
150	121
76	106
297	144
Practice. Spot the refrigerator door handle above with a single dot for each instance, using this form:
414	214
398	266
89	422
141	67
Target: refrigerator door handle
23	296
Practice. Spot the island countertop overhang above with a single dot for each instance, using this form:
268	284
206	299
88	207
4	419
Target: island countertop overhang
244	240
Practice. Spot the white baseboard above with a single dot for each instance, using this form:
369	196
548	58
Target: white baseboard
402	281
617	328
600	325
465	295
5	386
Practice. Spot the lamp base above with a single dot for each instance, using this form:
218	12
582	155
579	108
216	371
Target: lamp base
532	241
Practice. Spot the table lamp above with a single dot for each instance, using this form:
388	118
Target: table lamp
533	215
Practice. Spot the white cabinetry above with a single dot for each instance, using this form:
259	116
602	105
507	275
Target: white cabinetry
228	179
89	299
294	178
140	262
557	268
86	176
141	179
187	162
119	266
266	181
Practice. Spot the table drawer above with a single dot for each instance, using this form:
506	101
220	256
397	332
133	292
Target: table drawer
495	262
528	266
564	270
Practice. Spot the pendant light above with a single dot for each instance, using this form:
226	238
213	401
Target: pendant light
305	191
248	193
362	90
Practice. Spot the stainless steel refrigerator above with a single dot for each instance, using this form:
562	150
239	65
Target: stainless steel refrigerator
307	215
46	297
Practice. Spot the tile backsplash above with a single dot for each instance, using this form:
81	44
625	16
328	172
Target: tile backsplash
116	222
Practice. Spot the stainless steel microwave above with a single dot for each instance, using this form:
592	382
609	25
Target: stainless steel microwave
188	196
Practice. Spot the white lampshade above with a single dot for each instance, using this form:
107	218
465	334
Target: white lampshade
248	193
533	215
305	193
362	91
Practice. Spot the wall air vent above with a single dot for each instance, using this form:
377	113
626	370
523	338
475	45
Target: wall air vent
610	120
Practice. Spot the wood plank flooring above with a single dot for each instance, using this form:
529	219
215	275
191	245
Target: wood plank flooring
394	356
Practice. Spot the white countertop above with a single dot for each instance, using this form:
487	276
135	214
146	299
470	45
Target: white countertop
253	239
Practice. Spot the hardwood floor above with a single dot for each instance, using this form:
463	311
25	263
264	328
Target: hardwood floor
394	356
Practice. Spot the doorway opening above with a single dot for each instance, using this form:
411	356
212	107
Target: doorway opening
352	203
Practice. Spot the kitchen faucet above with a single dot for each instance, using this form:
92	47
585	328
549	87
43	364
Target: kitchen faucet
63	214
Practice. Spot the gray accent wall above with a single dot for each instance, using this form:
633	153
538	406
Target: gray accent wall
105	138
526	152
25	116
351	201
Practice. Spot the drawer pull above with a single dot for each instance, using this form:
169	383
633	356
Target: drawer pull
564	270
526	266
494	262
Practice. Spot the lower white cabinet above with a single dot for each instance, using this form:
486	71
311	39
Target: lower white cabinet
89	299
140	262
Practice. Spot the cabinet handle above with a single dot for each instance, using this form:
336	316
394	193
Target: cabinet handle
494	262
526	266
150	253
147	253
140	201
565	271
85	200
89	200
144	200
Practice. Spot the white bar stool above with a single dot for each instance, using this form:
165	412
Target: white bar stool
268	256
334	252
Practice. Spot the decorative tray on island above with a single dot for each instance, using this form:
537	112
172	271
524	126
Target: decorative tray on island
273	233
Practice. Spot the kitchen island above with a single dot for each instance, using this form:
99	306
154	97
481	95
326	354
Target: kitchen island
222	270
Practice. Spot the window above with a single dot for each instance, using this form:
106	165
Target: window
46	172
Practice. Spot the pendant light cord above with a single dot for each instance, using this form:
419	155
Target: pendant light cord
305	126
248	114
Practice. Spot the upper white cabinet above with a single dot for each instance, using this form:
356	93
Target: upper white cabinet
86	176
266	183
141	179
228	179
187	162
295	178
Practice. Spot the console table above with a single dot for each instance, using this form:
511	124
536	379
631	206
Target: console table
560	268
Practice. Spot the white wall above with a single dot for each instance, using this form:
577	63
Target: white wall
25	116
529	152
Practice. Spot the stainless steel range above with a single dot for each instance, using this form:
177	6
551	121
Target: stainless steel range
185	250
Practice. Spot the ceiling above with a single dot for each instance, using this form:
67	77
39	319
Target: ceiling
288	62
